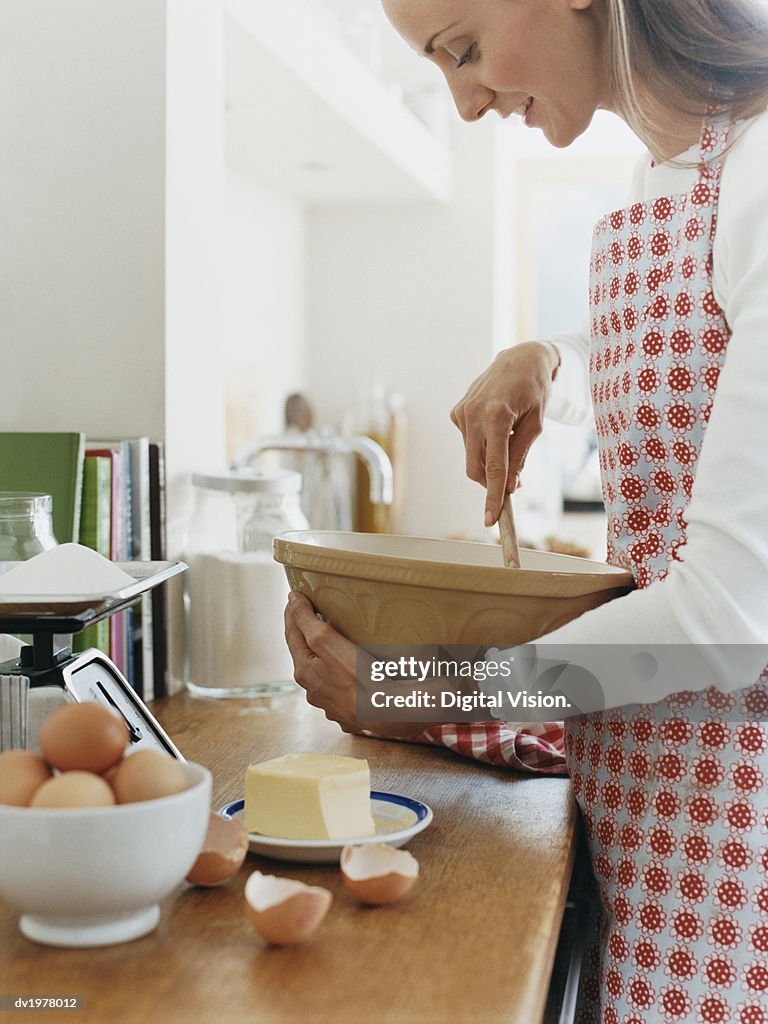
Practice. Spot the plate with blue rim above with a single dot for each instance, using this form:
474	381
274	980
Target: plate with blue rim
397	819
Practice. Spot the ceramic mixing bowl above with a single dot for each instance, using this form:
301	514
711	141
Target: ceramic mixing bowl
385	589
93	876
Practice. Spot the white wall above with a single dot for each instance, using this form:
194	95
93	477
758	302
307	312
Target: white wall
194	178
263	307
81	215
110	197
401	296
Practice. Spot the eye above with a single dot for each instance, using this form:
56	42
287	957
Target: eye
467	57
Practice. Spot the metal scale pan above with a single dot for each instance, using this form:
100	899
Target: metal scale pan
90	675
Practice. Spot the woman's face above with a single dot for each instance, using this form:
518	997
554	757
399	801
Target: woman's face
541	59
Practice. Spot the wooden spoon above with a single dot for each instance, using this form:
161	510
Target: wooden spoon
508	534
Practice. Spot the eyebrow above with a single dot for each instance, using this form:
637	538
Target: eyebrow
429	46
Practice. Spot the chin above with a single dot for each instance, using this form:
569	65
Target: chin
561	136
557	141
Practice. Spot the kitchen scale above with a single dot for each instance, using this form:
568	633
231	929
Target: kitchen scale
90	675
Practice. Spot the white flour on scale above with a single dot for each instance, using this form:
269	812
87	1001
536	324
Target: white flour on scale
69	569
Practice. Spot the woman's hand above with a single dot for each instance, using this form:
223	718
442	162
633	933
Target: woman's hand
324	665
502	414
323	662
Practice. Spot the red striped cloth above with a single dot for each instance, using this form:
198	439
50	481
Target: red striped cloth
537	747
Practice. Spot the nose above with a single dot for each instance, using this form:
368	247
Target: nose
472	99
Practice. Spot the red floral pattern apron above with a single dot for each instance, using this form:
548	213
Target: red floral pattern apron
674	795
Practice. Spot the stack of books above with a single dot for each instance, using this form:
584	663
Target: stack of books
108	494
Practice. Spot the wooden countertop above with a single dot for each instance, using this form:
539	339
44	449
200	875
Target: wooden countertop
472	944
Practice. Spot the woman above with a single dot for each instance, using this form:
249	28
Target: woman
673	792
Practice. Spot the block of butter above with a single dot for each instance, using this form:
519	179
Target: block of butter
309	796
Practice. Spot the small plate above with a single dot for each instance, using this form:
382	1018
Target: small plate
397	819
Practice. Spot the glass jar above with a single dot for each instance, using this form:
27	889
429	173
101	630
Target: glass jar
235	591
26	529
26	525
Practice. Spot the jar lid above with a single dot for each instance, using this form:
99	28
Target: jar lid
244	481
24	503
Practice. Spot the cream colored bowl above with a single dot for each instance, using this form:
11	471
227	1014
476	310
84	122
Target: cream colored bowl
385	589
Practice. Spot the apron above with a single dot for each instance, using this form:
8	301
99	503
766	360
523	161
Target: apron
674	795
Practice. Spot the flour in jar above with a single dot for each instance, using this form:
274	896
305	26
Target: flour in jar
236	620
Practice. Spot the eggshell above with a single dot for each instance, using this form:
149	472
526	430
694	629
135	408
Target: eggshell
74	789
378	873
224	849
21	774
284	911
83	737
147	775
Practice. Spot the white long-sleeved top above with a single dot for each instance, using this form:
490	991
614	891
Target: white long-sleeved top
718	594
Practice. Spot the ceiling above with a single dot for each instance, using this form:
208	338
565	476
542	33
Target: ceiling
306	119
398	63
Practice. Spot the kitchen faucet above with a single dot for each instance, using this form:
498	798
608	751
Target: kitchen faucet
372	454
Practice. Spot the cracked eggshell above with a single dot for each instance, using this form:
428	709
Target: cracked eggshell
224	849
282	910
378	873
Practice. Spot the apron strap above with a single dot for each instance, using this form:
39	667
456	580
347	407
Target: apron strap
712	143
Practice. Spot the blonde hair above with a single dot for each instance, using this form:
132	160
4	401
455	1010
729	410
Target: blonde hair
692	54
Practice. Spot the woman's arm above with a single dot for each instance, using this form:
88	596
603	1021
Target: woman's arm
570	401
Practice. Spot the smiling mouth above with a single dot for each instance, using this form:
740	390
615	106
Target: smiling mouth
521	109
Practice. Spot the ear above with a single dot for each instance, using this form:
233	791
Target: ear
579	5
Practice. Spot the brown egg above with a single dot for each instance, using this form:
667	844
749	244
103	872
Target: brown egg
147	775
378	873
74	789
224	849
85	737
21	774
284	911
110	773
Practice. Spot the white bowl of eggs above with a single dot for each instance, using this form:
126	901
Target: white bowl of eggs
92	838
